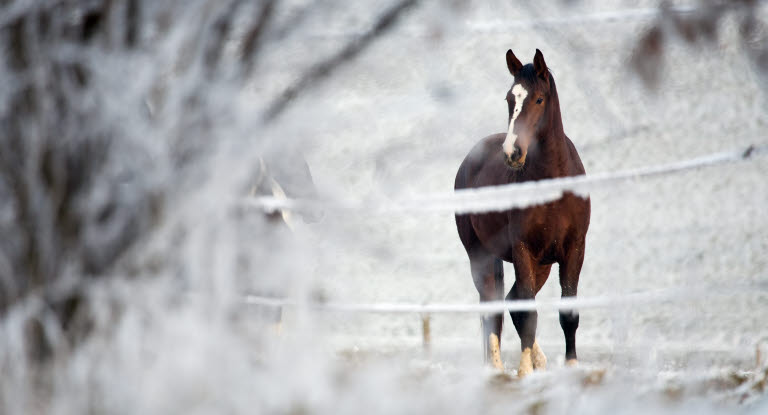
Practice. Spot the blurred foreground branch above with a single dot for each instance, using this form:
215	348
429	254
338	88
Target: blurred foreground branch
109	114
700	26
325	68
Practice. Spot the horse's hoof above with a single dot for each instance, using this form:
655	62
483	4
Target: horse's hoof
526	365
538	357
571	363
493	342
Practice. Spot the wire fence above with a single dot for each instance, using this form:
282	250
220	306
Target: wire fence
509	196
497	198
640	299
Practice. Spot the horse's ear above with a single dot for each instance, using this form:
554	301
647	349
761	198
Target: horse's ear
540	66
513	64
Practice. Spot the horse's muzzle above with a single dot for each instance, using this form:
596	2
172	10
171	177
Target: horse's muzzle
516	160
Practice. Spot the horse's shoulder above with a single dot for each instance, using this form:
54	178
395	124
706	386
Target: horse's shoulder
488	145
479	158
493	139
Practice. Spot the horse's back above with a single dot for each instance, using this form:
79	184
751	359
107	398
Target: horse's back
582	206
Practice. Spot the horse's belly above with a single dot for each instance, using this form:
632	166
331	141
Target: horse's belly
542	230
495	232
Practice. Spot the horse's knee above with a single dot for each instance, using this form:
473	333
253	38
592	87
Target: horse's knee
511	296
485	277
518	292
569	320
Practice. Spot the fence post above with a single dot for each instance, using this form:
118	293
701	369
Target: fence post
426	335
759	353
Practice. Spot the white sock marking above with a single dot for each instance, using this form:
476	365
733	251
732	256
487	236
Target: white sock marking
520	93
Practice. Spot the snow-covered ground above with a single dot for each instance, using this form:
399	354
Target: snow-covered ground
395	123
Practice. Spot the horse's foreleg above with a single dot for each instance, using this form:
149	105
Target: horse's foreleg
488	276
538	358
525	323
527	274
569	319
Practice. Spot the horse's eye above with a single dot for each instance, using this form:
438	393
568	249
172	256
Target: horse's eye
540	100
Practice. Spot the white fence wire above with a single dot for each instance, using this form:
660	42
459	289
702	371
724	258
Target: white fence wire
648	298
509	196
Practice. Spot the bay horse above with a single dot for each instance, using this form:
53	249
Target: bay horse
534	147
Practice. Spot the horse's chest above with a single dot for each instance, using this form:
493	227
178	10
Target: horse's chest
540	229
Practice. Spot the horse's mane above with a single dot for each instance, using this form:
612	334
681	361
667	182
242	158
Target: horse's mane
554	107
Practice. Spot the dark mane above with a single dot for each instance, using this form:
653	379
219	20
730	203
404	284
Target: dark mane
554	100
526	73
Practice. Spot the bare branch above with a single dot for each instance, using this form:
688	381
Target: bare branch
325	68
253	39
692	26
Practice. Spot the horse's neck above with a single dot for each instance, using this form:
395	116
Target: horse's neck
552	156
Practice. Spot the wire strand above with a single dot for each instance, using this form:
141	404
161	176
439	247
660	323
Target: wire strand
681	295
508	196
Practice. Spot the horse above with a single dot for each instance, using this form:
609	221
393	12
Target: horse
275	178
534	147
281	173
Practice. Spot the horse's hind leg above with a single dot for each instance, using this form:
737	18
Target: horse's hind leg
488	276
569	319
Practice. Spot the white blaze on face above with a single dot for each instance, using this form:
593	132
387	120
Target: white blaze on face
519	93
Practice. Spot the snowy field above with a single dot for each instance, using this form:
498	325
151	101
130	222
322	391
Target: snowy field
398	122
393	124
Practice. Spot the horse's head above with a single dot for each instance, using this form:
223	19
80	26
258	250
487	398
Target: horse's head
528	101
